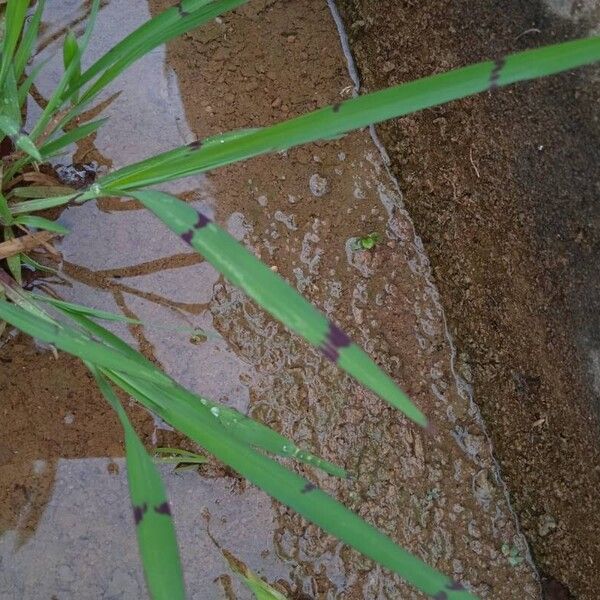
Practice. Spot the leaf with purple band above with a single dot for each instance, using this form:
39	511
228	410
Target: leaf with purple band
151	509
333	121
275	295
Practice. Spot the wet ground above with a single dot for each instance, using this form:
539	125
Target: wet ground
65	517
503	189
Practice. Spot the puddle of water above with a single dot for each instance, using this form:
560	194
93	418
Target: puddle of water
439	498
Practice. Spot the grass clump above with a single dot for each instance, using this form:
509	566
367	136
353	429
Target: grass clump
247	446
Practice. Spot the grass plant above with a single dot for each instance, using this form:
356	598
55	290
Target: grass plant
247	446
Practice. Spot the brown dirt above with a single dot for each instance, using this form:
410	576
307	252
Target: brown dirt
43	418
503	190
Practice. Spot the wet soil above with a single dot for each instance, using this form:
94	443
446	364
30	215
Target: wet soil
503	190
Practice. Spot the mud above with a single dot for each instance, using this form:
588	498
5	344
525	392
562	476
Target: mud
439	495
503	189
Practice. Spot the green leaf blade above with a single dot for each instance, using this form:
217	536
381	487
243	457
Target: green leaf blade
13	262
28	40
27	206
289	488
12	129
41	223
70	137
330	122
155	531
70	74
160	29
16	10
72	54
75	343
5	214
260	589
275	295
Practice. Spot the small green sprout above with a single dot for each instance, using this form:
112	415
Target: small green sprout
367	242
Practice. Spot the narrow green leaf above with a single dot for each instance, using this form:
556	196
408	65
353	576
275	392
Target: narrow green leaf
11	128
261	589
13	24
76	343
41	223
276	296
72	54
5	215
72	309
70	49
171	23
85	310
40	191
102	334
181	459
177	454
28	206
70	137
27	45
23	142
36	266
260	436
151	509
29	80
14	266
10	97
57	98
355	113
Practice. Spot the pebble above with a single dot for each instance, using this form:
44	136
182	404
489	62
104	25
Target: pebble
318	185
546	525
